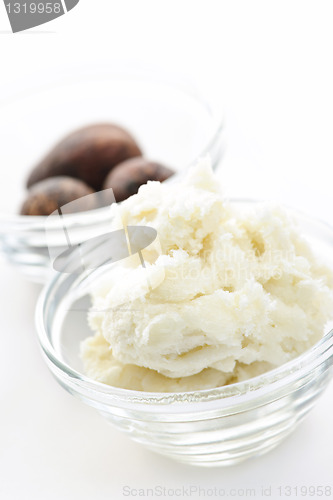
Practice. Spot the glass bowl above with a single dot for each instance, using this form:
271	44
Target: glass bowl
220	426
171	120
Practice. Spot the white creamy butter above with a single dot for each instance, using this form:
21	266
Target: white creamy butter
230	294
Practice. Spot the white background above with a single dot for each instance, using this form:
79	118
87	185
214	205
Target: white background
270	63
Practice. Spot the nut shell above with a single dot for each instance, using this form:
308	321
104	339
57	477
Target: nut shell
48	195
126	178
87	154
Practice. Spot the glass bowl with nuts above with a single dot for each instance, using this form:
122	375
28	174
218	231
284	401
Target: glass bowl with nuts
82	134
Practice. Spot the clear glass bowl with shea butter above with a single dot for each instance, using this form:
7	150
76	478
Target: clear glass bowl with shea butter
211	427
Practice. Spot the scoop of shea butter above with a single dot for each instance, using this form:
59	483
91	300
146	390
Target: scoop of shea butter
231	293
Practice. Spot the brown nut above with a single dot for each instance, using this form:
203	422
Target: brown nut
87	154
126	178
48	195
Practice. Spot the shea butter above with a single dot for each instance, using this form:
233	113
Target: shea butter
225	293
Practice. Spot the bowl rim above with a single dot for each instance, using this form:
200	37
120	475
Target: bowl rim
269	382
82	75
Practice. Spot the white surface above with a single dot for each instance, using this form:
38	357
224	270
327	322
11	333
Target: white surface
271	64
